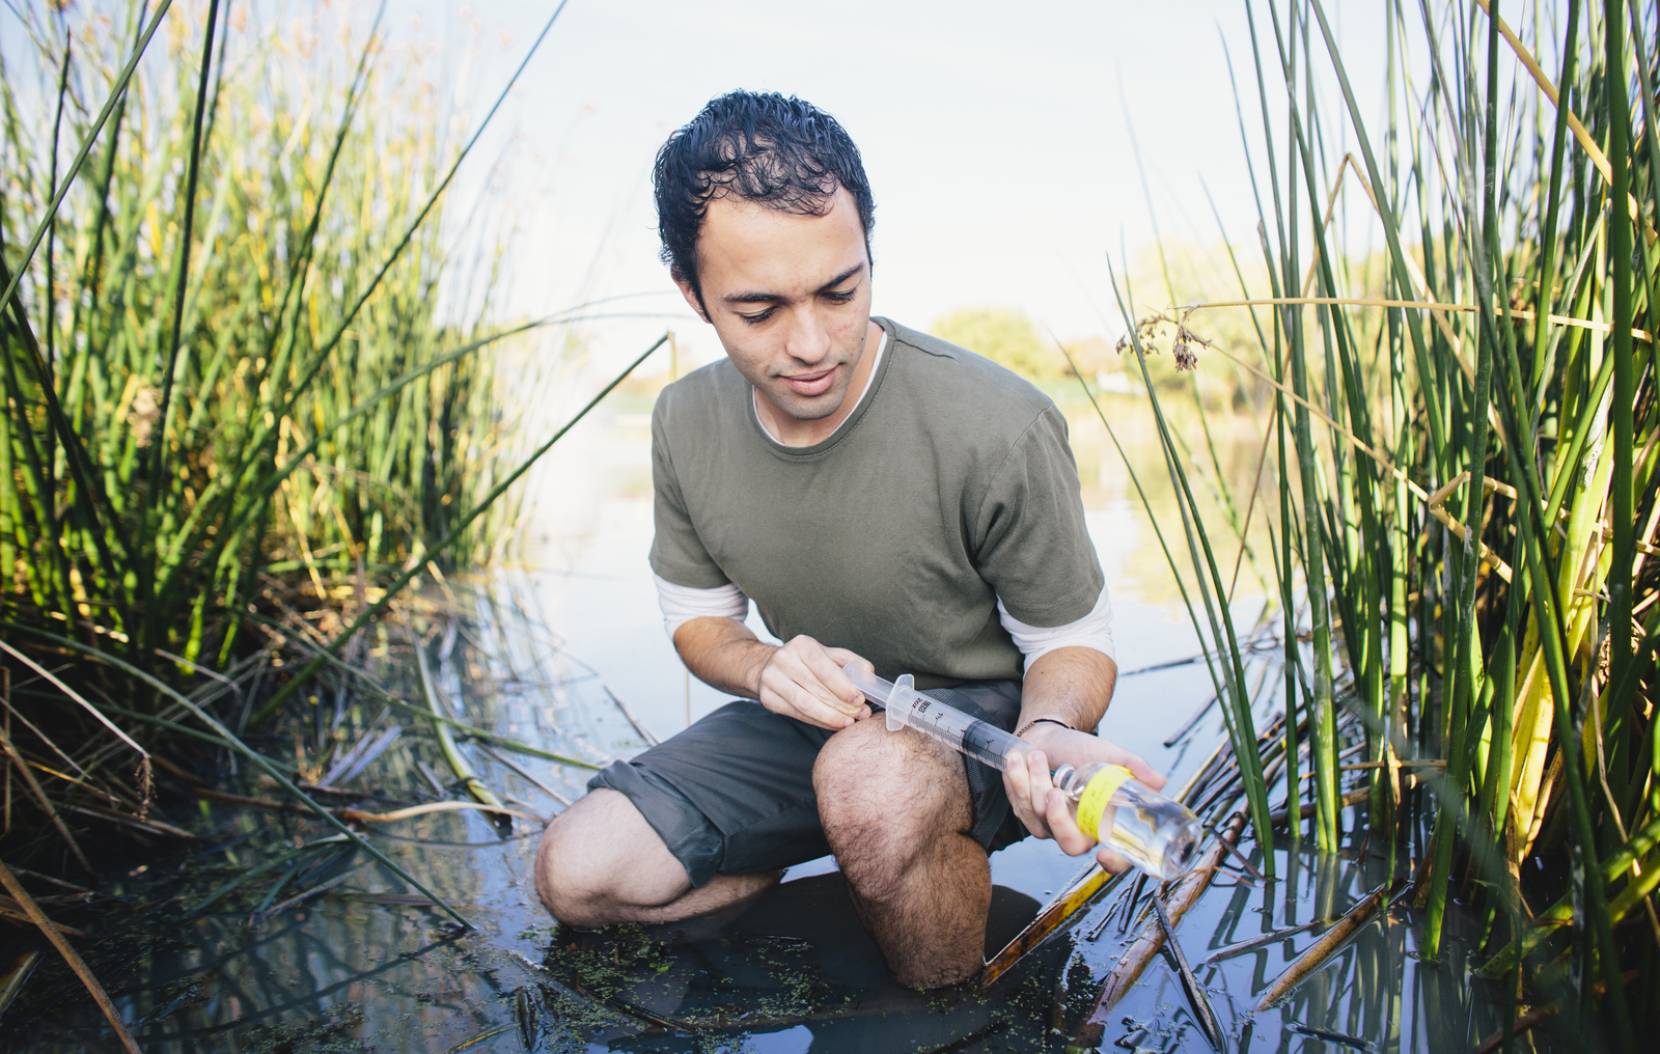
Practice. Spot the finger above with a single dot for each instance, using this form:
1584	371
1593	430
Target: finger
1038	788
1145	772
793	662
845	658
794	700
816	711
1063	828
829	673
1142	771
1017	782
1111	861
1038	780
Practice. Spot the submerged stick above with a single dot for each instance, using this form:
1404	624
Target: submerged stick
1195	995
1259	941
53	934
525	775
1317	953
1151	938
628	714
1538	1015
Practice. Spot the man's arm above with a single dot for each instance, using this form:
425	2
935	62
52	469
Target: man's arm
1069	685
802	679
1072	686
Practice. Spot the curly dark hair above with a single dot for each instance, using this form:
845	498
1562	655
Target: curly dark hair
761	146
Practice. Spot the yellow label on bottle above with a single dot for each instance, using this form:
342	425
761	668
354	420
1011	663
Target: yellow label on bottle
1097	793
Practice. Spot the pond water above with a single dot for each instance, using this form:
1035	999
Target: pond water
325	951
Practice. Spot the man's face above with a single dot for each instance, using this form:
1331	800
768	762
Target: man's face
789	297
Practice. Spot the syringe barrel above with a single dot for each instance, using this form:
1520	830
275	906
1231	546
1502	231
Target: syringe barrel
1157	834
908	708
876	690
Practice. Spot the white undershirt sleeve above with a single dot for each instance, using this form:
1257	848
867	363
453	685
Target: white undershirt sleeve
1094	630
681	604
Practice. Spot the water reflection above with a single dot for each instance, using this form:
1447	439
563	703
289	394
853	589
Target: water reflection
570	657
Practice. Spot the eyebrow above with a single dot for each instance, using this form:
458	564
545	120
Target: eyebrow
775	298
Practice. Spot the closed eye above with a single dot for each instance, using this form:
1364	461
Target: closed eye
758	318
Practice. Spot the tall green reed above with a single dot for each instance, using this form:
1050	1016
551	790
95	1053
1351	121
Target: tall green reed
1470	433
225	353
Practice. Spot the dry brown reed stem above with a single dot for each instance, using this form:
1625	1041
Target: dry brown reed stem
41	798
524	774
1151	937
9	909
411	811
1581	135
1354	797
1316	954
1524	313
351	815
53	934
149	825
145	782
16	975
1079	892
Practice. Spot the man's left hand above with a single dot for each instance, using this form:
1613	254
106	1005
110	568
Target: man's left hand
1043	808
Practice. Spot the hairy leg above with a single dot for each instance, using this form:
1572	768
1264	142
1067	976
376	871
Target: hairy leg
599	862
896	812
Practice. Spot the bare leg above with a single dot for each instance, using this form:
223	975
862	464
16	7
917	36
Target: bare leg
599	862
896	812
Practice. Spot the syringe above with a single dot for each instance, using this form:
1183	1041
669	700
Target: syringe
1154	833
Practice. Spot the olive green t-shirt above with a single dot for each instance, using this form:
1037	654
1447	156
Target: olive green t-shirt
949	487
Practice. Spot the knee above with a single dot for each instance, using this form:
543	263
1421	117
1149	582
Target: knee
598	863
883	799
565	886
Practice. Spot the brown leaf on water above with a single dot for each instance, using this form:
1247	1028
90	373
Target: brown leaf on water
1317	953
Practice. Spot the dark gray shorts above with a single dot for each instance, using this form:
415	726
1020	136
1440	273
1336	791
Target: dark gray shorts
733	794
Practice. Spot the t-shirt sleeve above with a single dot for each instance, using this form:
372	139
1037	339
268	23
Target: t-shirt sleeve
1030	541
677	553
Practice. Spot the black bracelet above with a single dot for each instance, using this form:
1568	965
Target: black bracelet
1021	731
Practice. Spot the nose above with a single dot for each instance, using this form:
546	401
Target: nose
808	340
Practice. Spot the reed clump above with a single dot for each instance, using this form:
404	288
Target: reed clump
244	373
1458	491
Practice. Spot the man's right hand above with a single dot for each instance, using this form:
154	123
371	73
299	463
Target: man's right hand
803	679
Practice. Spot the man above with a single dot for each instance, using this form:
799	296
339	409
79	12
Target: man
885	498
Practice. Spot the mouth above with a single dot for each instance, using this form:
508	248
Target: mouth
811	384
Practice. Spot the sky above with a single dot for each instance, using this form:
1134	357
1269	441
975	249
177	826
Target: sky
1000	139
1011	148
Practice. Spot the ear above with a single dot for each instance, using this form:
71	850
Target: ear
692	301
